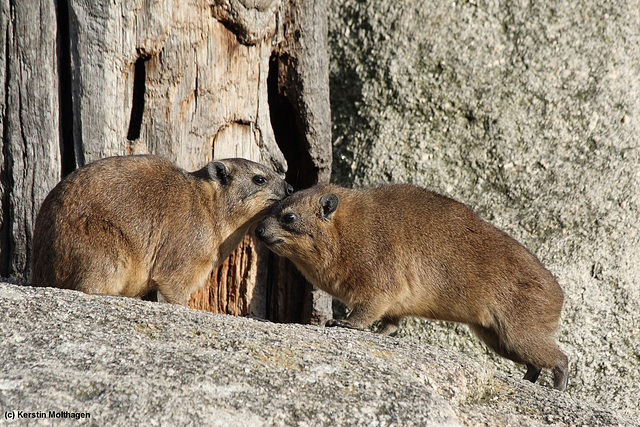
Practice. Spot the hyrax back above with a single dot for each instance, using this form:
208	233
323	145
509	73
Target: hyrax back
130	225
400	250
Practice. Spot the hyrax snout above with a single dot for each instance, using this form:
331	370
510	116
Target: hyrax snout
130	225
400	250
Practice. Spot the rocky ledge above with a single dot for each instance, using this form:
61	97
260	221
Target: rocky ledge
122	361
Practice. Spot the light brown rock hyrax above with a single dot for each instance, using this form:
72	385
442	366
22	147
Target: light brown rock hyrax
400	250
130	225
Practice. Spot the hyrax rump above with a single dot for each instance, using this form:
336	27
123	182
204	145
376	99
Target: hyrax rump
400	250
133	224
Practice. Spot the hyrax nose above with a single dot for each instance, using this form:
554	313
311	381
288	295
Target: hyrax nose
288	189
260	231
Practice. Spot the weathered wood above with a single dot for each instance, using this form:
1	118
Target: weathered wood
301	119
230	287
30	156
298	99
300	93
198	89
189	80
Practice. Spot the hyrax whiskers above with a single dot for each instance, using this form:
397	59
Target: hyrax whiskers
400	250
134	224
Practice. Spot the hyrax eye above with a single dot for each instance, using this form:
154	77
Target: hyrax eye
259	180
289	218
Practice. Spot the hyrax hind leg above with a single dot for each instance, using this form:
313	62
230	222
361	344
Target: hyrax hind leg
561	372
536	352
532	373
543	352
99	272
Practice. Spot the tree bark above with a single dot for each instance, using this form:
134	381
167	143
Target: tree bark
189	80
301	118
30	156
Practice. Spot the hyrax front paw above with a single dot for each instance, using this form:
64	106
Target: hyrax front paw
341	323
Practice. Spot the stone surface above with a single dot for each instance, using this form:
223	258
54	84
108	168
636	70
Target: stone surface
126	361
529	112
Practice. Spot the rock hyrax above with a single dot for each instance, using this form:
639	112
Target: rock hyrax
400	250
130	225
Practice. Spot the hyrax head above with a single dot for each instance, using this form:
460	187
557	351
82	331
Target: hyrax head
302	227
247	188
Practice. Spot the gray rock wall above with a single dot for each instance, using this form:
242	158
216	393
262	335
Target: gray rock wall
529	112
129	362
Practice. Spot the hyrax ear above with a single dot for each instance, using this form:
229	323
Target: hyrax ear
329	203
219	171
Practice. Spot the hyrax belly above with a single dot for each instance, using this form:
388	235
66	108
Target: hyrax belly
396	251
130	225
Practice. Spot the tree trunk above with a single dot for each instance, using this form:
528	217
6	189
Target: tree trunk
188	80
30	157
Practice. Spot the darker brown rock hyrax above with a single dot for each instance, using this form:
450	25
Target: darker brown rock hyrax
129	225
400	250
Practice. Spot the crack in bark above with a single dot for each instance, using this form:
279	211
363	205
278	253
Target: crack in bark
195	91
137	103
287	124
65	95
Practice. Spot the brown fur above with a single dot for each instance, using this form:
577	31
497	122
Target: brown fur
134	224
400	250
